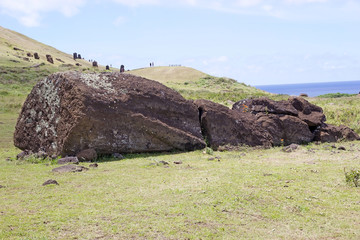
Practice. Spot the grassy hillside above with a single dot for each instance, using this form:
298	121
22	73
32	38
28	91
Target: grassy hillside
193	84
18	65
15	47
244	194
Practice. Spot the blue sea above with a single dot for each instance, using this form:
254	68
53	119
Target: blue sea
313	89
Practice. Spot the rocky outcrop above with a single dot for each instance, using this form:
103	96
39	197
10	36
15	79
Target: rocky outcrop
108	112
223	126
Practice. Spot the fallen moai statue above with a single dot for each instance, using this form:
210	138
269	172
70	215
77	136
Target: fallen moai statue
74	113
109	112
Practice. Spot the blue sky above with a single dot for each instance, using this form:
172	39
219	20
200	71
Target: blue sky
258	42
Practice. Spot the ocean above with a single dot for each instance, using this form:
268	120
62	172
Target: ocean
313	89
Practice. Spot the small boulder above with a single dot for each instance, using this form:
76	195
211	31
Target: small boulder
93	165
24	154
69	168
1	186
41	154
50	181
66	160
290	148
87	155
117	156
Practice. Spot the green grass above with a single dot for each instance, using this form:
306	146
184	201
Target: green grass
248	194
341	111
256	194
336	95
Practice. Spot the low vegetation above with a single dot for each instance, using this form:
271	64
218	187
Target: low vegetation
336	95
248	194
242	194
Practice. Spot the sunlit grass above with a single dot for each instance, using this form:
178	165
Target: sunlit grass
255	194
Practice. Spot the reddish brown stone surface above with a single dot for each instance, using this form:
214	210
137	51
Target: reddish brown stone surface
223	126
108	112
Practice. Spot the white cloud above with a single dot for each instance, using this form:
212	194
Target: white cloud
28	12
135	3
248	3
305	1
119	21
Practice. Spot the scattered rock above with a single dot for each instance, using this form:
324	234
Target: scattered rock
110	112
18	49
24	154
1	186
50	181
164	162
66	160
69	168
93	165
78	64
177	162
29	55
117	156
267	174
87	155
342	148
58	59
37	65
290	148
41	154
303	95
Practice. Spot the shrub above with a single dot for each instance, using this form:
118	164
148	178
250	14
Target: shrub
352	177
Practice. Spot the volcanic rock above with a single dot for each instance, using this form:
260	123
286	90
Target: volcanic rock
108	112
331	133
50	181
69	168
87	155
311	114
265	105
223	126
285	129
67	160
